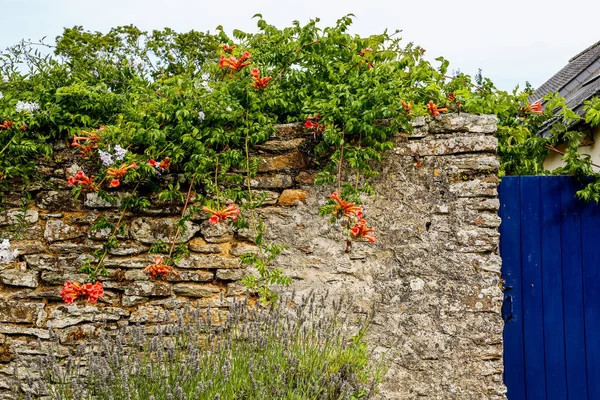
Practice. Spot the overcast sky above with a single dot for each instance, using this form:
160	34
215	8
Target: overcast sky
512	41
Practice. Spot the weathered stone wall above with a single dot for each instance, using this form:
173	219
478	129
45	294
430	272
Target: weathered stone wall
432	277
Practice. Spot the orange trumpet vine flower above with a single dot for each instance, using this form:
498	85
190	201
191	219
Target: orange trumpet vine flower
434	110
360	230
349	209
233	63
119	173
7	125
163	165
407	106
158	269
71	291
90	140
231	212
81	179
534	108
311	124
259	83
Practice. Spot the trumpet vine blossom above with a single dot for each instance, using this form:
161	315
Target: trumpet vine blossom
259	83
360	230
80	178
119	173
159	269
433	109
348	209
71	291
232	212
233	63
89	139
7	125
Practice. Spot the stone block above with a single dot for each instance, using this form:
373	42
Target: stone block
48	262
450	123
196	261
93	200
19	330
447	146
293	160
64	316
20	312
192	276
474	188
148	289
277	181
290	197
17	274
56	201
195	289
306	178
128	248
236	289
26	247
151	230
239	249
230	274
267	197
56	231
276	146
198	245
217	233
16	216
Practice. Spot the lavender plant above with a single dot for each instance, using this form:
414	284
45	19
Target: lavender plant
291	350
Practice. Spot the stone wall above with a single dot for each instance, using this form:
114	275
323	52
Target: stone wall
432	277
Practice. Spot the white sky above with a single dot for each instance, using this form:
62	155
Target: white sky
512	41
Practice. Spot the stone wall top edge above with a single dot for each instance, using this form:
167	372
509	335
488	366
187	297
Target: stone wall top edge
445	123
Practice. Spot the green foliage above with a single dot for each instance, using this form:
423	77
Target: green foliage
268	275
159	247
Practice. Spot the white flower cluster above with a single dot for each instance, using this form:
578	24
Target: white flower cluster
204	84
137	62
30	107
201	116
5	254
1	95
109	159
5	79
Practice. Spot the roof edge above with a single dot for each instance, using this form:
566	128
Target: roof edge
584	51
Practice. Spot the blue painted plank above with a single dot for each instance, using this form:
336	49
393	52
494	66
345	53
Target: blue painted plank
590	236
531	264
573	291
510	250
554	333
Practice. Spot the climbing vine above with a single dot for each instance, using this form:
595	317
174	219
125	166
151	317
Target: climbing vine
138	106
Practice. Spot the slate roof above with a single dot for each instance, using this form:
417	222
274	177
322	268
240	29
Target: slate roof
577	81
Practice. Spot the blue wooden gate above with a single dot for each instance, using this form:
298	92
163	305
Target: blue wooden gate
550	248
